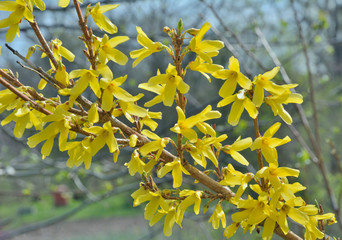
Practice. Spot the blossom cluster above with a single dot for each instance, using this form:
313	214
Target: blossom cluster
265	198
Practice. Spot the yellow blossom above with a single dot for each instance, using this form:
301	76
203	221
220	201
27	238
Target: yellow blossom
62	76
205	48
103	136
261	82
241	102
61	120
192	198
254	211
135	165
101	20
184	125
276	103
149	47
170	218
130	109
312	232
233	177
65	3
86	77
202	149
236	147
158	89
147	120
133	140
155	200
79	152
273	173
202	67
154	146
107	51
112	88
218	215
231	230
9	100
59	51
20	9
24	118
93	115
177	170
233	76
268	145
172	82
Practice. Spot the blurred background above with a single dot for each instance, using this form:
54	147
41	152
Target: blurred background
43	199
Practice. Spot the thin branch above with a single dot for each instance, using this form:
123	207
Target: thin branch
87	33
287	80
310	78
44	44
236	37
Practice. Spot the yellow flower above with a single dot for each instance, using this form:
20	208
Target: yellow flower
192	198
234	149
155	200
261	82
79	152
61	120
184	125
202	149
149	47
158	89
177	170
130	109
231	230
65	3
254	211
59	51
101	20
86	77
205	48
233	77
170	218
154	146
233	177
201	66
276	103
218	215
241	102
9	100
24	118
61	75
273	173
111	88
312	232
93	115
20	9
106	49
172	82
268	145
289	209
135	165
147	120
39	4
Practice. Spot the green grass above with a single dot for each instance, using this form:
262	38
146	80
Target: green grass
119	205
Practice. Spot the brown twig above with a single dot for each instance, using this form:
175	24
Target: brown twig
310	78
334	153
317	148
236	37
44	44
87	33
24	97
